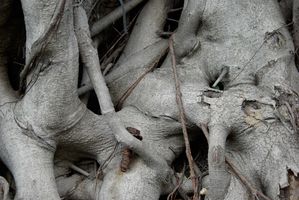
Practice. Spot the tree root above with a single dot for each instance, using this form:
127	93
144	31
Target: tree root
236	172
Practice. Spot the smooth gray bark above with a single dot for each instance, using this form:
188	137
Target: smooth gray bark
252	120
257	51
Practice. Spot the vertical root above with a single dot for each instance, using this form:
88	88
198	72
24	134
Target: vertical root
218	175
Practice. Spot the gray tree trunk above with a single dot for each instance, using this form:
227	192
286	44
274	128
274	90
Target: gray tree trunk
239	86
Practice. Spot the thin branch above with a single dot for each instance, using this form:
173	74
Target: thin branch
103	23
147	21
172	20
122	37
103	165
175	9
78	3
124	16
224	71
178	183
107	68
78	169
183	119
153	53
88	86
89	57
95	3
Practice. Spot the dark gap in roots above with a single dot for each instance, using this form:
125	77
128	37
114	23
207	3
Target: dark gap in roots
114	38
219	86
173	18
161	61
16	52
93	103
3	170
80	73
5	173
199	148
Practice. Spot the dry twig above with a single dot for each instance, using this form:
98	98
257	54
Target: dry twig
183	119
178	182
127	93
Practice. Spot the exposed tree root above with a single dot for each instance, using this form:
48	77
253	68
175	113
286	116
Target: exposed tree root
245	132
185	41
38	47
